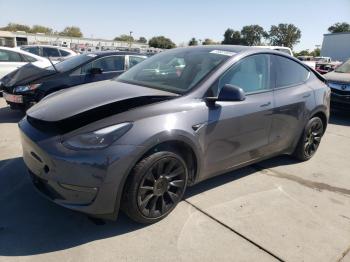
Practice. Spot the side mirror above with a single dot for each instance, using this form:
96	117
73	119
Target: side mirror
227	93
96	71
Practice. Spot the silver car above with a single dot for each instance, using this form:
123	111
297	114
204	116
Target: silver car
173	120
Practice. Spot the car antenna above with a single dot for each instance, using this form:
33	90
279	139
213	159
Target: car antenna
52	64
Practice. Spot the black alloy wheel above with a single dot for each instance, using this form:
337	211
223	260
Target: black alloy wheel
155	187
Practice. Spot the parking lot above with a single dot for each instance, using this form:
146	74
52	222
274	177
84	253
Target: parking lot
276	210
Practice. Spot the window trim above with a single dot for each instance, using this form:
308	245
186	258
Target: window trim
292	85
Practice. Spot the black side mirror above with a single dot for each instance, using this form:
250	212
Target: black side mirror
96	71
227	93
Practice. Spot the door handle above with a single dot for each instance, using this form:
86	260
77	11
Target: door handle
307	95
267	104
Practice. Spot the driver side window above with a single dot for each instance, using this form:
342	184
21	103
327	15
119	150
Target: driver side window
252	74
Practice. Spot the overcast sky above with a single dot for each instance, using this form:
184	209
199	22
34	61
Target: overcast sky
178	19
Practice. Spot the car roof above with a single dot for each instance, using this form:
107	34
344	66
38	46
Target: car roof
107	53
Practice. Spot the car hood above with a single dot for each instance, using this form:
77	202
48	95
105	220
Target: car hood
72	108
338	77
26	75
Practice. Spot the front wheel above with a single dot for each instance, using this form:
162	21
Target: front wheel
155	186
310	139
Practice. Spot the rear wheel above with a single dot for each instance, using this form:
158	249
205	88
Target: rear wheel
310	139
155	186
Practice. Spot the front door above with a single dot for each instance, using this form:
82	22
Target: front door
238	132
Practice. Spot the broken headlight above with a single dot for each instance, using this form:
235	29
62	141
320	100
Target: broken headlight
98	139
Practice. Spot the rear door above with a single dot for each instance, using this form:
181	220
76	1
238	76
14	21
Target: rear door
293	100
10	61
238	132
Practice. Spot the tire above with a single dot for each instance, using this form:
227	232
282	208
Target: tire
309	140
154	187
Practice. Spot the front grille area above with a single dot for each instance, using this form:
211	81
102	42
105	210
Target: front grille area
340	92
43	186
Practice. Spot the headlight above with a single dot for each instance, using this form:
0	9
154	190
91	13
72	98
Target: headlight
20	89
98	139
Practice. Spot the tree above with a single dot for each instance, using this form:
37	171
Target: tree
339	27
208	41
13	27
161	42
41	29
284	35
193	41
316	52
71	31
302	53
142	40
124	38
232	37
252	34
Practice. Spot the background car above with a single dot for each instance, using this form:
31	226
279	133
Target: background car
12	59
339	82
55	53
178	118
29	84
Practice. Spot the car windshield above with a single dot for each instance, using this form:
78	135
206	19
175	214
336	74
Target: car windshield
72	62
344	68
177	70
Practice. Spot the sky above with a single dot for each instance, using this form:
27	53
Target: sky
179	20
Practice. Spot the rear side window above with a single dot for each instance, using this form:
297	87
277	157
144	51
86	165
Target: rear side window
289	72
29	58
50	52
64	53
8	56
134	60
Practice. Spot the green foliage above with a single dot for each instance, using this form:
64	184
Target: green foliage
193	42
208	41
41	29
161	42
232	37
339	28
71	31
252	34
124	38
284	35
142	40
314	53
13	27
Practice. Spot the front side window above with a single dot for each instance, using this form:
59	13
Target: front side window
178	70
34	50
50	52
64	53
110	63
252	74
8	56
289	72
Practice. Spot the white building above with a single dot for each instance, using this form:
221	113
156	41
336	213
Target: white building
336	46
13	39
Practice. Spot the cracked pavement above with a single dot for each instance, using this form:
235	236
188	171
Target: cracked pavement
278	209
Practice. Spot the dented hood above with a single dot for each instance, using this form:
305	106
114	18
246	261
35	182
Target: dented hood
80	105
26	75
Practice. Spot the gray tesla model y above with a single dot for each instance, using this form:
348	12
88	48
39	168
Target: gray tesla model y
182	116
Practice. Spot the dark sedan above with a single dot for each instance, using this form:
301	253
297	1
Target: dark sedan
29	84
178	118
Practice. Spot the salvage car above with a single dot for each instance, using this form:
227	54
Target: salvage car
29	84
339	82
138	141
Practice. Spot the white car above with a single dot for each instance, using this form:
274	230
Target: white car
55	53
12	59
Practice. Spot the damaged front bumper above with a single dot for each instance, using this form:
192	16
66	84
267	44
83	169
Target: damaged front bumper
87	181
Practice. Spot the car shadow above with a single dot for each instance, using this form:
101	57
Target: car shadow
30	224
8	115
340	118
